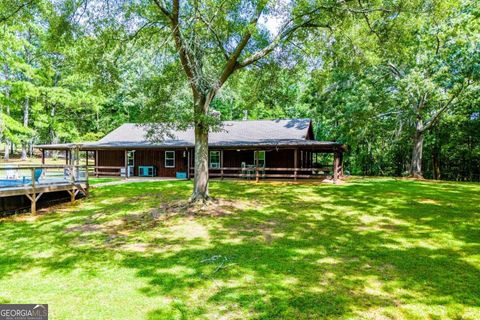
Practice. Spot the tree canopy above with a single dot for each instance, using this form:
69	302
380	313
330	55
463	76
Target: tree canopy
397	81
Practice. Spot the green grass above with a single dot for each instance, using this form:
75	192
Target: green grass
368	249
94	181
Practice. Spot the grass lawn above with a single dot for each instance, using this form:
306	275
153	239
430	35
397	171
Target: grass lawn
368	249
94	181
38	161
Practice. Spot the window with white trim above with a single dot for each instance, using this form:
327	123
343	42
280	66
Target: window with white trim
261	158
214	159
169	159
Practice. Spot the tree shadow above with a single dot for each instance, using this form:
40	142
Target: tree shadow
300	251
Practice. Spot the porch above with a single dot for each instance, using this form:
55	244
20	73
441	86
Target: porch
309	161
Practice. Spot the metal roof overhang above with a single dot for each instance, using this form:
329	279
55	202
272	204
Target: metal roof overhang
290	144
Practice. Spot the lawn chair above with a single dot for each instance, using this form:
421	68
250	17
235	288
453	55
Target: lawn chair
250	171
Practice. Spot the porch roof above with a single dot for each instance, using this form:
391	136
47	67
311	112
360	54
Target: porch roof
185	145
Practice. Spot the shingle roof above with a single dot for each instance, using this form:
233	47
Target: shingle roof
245	133
232	133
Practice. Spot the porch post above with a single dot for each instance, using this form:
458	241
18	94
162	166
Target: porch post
43	156
295	163
96	163
221	164
126	164
255	152
77	156
188	164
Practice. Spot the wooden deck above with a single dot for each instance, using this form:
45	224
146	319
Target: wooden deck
34	181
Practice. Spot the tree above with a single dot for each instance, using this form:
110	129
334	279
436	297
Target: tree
433	61
214	39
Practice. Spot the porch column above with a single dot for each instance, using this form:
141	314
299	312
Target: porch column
77	156
43	156
256	165
126	164
96	163
295	164
188	164
221	164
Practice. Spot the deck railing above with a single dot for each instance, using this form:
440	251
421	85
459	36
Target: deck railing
34	181
261	172
108	171
248	172
18	176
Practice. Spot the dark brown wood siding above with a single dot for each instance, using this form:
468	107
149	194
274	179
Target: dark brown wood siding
282	158
145	158
234	158
273	158
279	159
157	158
111	158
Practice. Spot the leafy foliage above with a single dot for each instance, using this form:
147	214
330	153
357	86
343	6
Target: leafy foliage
368	73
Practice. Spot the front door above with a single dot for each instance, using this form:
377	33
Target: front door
131	163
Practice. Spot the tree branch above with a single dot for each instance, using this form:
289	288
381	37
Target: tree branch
444	108
276	42
163	8
186	60
217	38
232	61
15	11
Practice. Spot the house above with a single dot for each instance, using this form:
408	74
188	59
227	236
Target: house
244	149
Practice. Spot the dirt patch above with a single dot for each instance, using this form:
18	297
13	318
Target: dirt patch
85	228
213	208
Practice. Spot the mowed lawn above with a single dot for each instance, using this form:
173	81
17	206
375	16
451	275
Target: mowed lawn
367	249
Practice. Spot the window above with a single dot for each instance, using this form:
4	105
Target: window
261	158
169	159
214	159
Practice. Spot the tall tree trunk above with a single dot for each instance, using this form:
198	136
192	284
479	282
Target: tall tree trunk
6	155
436	166
200	189
53	134
436	156
8	143
25	124
417	151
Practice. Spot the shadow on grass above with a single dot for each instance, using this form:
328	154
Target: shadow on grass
303	251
